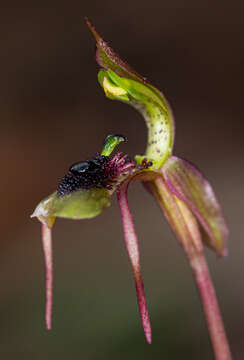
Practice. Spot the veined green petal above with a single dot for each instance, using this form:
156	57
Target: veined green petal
179	216
121	82
82	204
189	185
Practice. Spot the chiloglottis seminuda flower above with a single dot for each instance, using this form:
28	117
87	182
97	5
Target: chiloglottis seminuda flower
182	192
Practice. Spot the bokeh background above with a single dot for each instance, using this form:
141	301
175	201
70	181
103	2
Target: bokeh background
54	113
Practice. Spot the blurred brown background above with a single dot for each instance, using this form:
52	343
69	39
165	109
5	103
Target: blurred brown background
54	113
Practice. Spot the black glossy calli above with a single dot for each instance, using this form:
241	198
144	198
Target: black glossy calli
84	175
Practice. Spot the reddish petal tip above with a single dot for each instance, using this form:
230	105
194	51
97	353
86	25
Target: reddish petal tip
48	327
149	339
48	315
141	299
148	333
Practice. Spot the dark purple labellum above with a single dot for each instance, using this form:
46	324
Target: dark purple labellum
85	175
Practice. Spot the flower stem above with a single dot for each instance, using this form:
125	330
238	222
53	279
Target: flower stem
211	308
186	229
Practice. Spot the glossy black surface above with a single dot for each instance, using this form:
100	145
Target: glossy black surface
84	175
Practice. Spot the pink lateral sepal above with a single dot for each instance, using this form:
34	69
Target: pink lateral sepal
131	242
47	248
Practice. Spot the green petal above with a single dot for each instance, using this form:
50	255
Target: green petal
189	185
82	204
121	82
179	216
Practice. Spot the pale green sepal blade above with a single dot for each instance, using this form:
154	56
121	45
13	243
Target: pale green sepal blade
121	82
153	109
82	204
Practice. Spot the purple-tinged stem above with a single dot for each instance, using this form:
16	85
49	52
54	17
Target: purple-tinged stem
47	248
211	308
133	251
184	225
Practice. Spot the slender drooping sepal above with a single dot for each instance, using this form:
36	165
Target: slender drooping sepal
47	249
80	205
121	82
133	252
188	184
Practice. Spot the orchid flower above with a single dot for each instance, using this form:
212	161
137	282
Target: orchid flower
185	197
